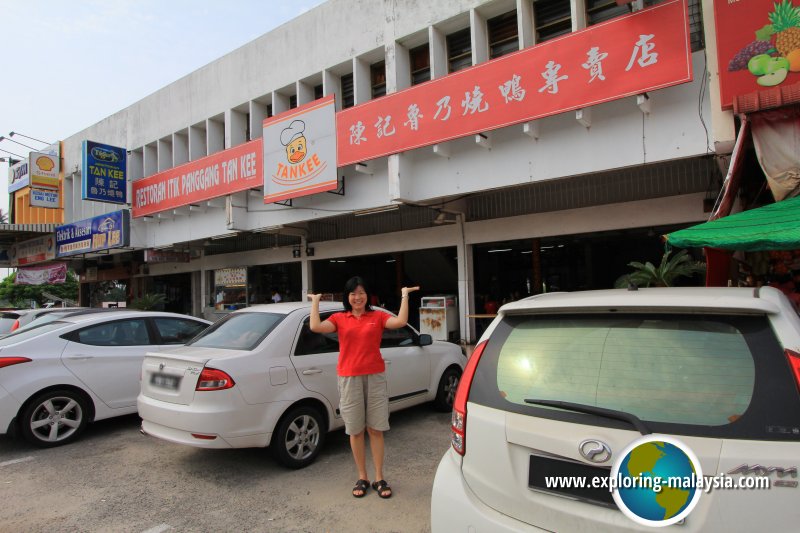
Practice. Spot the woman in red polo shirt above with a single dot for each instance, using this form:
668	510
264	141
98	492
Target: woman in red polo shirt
363	391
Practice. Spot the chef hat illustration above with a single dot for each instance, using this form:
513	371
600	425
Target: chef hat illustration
295	130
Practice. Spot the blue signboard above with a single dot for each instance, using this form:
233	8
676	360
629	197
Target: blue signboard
104	173
102	232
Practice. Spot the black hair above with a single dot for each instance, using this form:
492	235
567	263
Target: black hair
351	286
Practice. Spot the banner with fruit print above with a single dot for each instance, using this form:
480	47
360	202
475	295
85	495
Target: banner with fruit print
758	46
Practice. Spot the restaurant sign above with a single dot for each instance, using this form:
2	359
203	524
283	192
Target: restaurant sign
103	173
300	151
233	170
628	55
102	232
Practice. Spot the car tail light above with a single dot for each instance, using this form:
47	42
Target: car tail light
213	379
794	363
458	424
15	325
8	361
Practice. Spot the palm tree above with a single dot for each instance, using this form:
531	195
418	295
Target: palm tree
149	301
3	216
664	275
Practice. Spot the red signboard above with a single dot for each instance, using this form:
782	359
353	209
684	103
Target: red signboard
233	170
758	46
640	52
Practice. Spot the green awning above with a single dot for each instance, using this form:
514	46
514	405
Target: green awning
772	227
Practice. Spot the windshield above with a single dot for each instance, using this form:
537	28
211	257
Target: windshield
239	331
28	333
44	319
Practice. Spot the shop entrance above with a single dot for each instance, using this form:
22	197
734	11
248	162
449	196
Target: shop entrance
177	288
264	281
434	270
509	270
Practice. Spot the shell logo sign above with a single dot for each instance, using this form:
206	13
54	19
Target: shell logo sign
44	169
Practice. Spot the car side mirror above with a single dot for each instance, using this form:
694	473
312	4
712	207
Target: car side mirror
425	339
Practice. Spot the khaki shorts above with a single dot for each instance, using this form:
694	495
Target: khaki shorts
364	402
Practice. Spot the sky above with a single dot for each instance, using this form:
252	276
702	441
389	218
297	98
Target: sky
66	65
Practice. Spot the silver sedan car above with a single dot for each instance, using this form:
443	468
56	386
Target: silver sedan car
260	377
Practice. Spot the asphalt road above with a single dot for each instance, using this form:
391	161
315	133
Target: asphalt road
115	479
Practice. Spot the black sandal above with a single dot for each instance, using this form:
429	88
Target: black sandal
363	486
382	488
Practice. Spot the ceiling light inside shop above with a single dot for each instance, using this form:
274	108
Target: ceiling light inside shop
499	250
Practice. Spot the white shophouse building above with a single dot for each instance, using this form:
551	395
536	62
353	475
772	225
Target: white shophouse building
562	201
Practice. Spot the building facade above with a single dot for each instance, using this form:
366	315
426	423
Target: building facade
557	200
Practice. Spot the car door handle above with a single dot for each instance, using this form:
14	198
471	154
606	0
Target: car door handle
80	357
387	362
312	371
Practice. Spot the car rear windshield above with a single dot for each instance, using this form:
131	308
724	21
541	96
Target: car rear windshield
683	374
28	333
238	331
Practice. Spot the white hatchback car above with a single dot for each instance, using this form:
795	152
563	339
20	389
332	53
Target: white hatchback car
58	377
260	377
561	386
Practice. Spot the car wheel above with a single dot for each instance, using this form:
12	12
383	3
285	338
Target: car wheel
446	392
54	418
299	437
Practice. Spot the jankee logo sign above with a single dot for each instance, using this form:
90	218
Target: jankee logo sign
300	151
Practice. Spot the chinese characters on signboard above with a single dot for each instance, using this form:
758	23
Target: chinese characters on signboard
103	173
102	232
630	55
300	151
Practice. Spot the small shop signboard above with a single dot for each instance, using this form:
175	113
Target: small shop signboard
44	198
32	251
758	46
102	232
103	173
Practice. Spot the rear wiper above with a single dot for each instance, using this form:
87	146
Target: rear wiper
632	419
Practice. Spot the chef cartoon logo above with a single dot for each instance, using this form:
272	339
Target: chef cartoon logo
295	142
303	165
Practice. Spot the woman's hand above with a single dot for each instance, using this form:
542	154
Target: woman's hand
406	290
314	298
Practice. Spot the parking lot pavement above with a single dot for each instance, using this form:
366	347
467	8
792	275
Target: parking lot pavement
115	479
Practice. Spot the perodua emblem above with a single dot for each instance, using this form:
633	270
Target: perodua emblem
595	451
161	366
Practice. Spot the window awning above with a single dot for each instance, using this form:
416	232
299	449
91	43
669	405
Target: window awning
772	227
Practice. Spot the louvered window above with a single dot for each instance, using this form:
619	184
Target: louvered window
503	34
553	18
348	96
602	10
459	50
377	76
420	58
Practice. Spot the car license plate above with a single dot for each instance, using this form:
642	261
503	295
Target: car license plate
165	381
542	468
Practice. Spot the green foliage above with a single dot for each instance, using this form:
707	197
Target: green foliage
21	295
149	301
664	275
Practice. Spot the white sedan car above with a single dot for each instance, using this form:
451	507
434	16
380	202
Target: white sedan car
58	377
260	378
